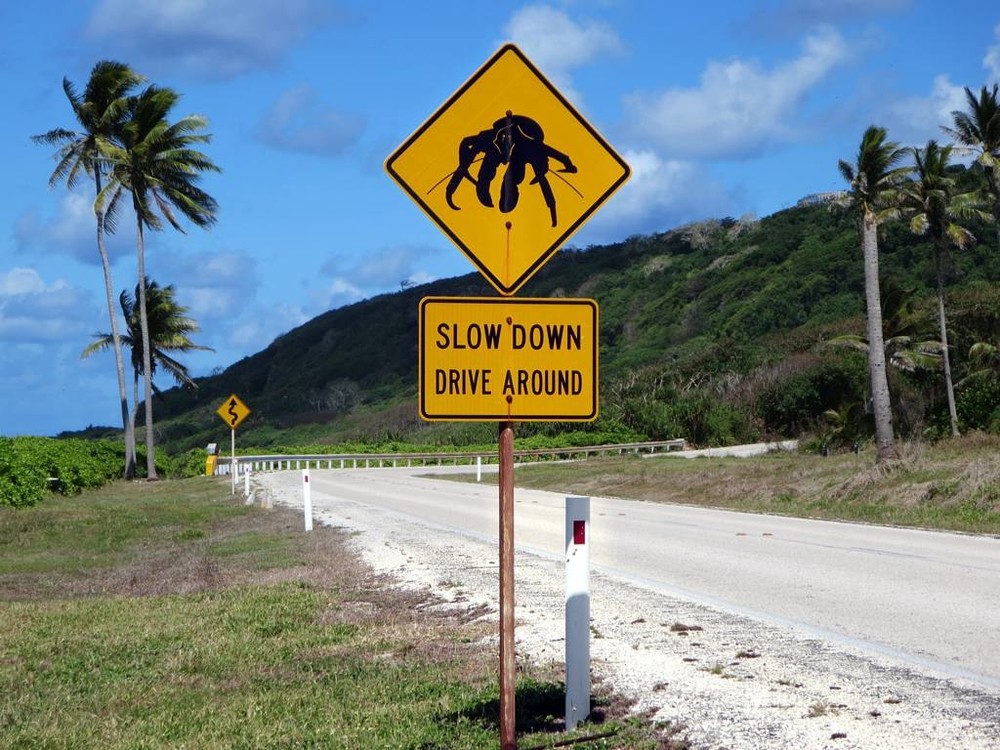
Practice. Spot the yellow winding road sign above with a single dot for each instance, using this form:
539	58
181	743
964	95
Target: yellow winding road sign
233	411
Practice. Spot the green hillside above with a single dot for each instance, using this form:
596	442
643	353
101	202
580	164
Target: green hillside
711	332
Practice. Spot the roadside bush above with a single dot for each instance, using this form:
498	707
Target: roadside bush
798	402
978	403
32	466
703	419
191	463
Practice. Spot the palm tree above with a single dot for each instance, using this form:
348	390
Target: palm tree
933	203
158	166
874	181
978	129
101	112
906	347
986	358
169	331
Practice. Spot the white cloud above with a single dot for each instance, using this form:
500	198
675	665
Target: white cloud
357	277
33	310
71	231
20	281
214	286
421	277
260	327
660	194
296	122
215	39
740	108
913	121
340	292
992	59
554	41
557	44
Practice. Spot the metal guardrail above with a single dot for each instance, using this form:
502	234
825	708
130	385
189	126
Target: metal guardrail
382	460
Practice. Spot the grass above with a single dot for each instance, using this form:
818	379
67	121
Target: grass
171	615
953	485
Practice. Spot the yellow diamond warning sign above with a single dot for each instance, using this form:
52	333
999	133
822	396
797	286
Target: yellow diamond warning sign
508	169
232	411
494	358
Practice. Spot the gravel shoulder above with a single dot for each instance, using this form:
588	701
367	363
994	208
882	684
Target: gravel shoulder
734	682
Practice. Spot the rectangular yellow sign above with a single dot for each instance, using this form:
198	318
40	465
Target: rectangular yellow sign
495	358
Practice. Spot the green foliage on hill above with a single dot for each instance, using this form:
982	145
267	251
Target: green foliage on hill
710	332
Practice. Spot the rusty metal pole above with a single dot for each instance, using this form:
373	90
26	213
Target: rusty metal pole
508	733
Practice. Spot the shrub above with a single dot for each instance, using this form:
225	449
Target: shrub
799	401
32	466
978	403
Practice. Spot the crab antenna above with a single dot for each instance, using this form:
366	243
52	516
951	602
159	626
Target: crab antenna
437	184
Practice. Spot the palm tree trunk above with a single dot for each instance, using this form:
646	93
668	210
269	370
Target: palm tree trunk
147	358
885	439
996	221
994	190
943	324
135	398
116	341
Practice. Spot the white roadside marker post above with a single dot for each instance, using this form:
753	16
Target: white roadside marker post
233	466
479	468
307	505
577	610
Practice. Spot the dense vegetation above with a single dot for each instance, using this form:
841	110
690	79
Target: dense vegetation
721	331
30	466
715	332
33	467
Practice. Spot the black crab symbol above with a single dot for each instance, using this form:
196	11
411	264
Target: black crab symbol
518	142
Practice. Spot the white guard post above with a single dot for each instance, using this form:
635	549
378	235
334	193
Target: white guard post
307	503
577	610
233	467
479	468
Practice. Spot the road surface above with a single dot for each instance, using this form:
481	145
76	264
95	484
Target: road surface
924	603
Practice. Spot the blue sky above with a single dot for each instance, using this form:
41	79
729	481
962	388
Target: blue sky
720	108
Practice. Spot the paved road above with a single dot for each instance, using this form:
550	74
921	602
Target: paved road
930	599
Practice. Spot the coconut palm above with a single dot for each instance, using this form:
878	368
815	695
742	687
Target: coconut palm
158	166
934	205
985	357
978	129
169	331
906	346
101	112
874	179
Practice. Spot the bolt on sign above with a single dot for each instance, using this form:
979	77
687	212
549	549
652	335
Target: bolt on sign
233	411
508	169
495	358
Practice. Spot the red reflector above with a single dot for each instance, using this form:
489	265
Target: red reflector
579	532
